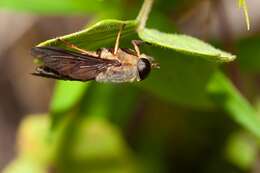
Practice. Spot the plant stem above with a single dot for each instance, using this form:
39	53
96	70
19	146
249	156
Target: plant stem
144	13
242	4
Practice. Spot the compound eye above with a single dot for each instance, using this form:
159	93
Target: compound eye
143	67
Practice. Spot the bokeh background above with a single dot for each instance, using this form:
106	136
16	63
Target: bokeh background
144	132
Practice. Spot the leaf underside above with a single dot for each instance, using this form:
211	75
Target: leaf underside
101	34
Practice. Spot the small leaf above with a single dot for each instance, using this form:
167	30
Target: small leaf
66	95
99	35
185	44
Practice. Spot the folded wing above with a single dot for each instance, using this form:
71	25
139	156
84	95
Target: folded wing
68	65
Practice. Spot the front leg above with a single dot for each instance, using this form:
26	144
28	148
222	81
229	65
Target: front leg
137	44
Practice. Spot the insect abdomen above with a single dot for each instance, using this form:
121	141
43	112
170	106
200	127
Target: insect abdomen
117	75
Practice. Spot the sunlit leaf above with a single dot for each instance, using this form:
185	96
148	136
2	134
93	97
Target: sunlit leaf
185	44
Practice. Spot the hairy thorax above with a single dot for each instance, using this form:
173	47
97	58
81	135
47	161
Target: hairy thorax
126	72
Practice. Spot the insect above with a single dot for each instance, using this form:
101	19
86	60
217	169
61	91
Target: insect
115	65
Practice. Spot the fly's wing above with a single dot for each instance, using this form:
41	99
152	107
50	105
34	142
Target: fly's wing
69	65
49	73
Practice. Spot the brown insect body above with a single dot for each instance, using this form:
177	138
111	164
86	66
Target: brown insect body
126	72
104	65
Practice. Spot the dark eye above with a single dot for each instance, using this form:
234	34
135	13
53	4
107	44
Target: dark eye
143	67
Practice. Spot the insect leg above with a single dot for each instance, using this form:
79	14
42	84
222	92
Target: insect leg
118	39
136	44
73	46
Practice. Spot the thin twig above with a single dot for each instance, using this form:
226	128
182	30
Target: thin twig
144	13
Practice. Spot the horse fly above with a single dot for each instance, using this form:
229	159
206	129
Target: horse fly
116	65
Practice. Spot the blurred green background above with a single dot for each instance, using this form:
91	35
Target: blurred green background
192	115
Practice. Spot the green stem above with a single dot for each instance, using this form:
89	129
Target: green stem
144	13
242	4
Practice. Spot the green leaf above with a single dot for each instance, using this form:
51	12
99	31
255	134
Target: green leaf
249	54
224	94
61	6
66	95
125	101
194	82
101	34
185	44
181	79
97	102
